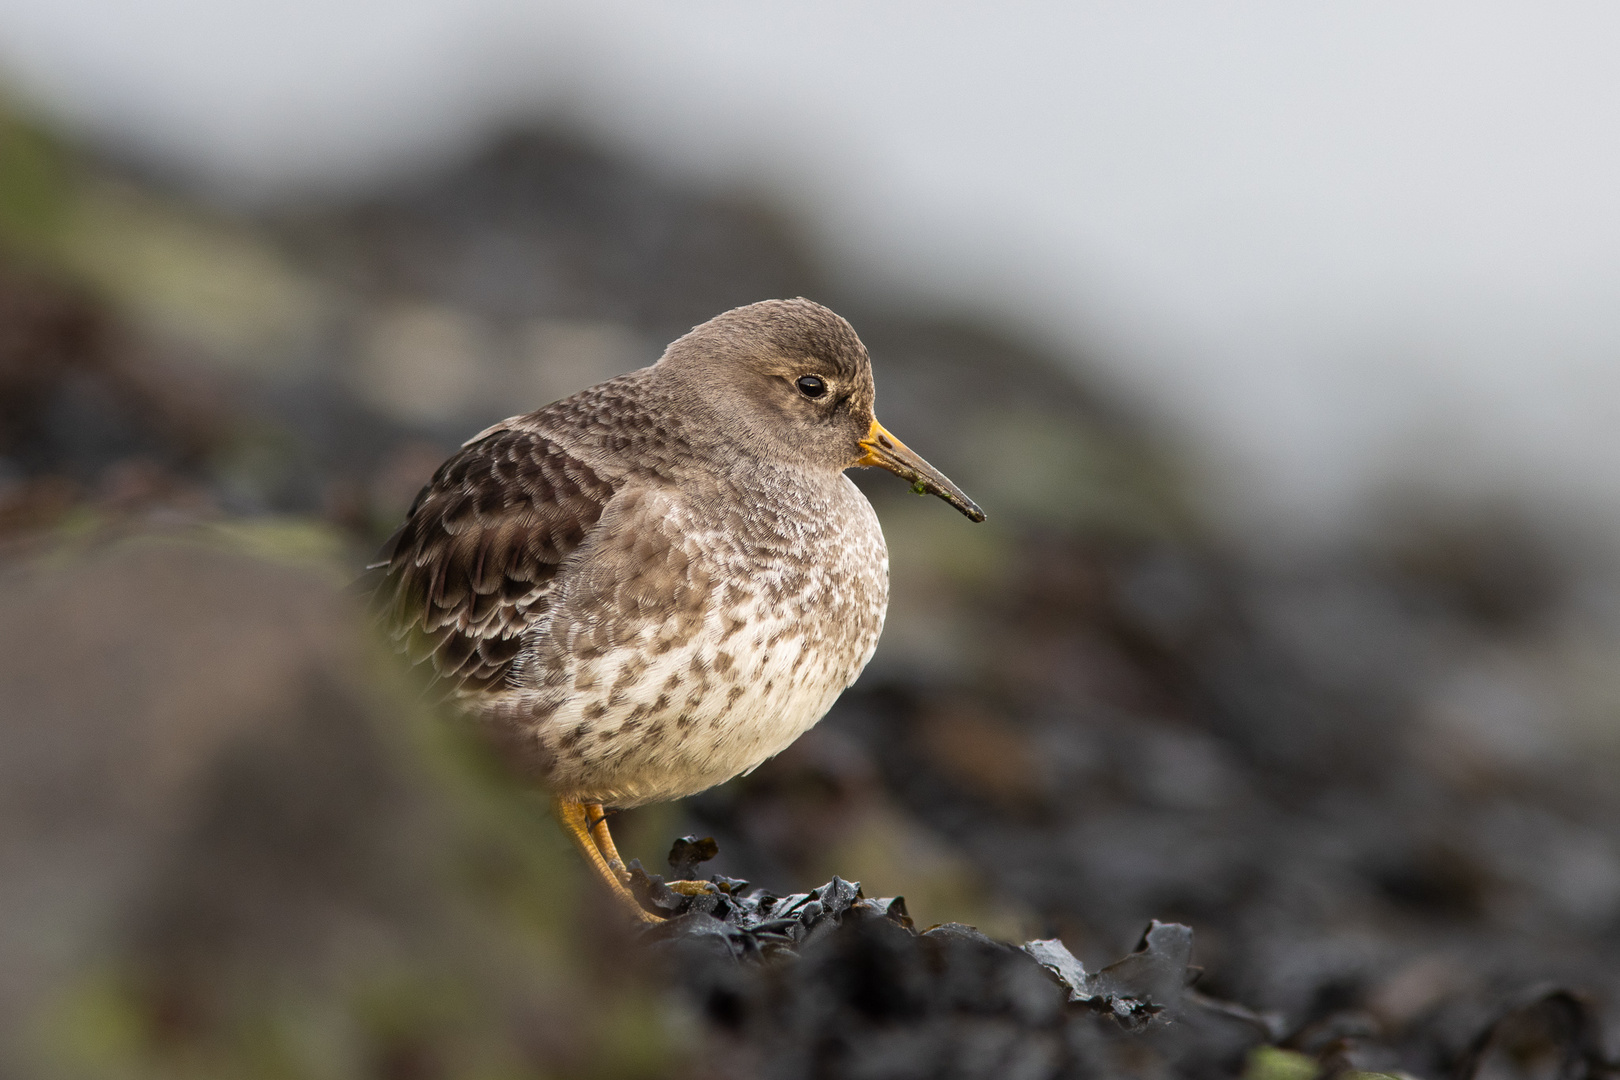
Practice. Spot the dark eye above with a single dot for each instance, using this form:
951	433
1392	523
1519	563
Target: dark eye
810	386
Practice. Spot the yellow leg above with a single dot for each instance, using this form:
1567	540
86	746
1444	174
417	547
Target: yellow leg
582	826
596	818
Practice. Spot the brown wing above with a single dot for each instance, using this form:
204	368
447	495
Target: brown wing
471	568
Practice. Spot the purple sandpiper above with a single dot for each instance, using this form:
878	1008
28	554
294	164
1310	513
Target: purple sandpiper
657	584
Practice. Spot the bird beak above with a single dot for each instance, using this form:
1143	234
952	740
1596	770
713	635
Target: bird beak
887	452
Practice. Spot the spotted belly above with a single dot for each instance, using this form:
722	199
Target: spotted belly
643	727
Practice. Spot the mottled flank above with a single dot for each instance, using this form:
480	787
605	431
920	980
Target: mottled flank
657	584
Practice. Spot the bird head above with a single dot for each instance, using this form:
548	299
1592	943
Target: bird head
790	380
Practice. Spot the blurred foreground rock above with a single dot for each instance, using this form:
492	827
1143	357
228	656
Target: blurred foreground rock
232	845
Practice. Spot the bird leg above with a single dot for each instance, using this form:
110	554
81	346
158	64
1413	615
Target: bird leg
584	823
596	818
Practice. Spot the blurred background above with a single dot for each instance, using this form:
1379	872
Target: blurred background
1279	343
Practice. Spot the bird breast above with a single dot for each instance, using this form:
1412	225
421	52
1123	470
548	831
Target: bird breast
699	634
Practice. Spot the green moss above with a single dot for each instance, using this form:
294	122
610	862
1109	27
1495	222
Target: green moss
94	1028
35	186
1271	1063
289	541
204	279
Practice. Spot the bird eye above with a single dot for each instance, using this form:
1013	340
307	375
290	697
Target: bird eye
810	386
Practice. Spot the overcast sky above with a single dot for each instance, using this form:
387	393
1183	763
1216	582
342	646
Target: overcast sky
1333	244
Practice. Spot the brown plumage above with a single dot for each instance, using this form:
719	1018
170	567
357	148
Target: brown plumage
660	582
469	571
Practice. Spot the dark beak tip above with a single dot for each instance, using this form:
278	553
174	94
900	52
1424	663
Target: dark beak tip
964	505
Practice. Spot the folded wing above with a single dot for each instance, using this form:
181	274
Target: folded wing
475	562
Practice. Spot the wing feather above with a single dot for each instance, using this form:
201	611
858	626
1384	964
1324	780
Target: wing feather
472	567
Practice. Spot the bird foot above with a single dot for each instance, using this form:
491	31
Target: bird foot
586	823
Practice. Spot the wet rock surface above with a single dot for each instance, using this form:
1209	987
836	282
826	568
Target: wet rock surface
830	983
